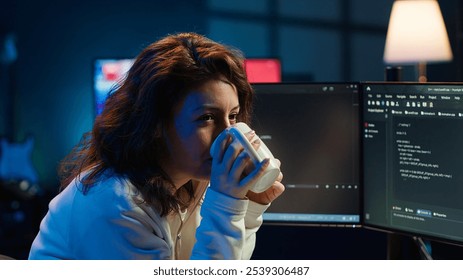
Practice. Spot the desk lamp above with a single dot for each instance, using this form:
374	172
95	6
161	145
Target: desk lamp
416	35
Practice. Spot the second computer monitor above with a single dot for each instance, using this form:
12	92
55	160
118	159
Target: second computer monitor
313	128
413	159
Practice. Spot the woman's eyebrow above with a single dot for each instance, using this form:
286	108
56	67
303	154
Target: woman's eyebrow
211	107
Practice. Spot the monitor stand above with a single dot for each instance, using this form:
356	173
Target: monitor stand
424	247
402	247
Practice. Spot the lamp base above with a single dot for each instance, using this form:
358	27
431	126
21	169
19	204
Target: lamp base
421	72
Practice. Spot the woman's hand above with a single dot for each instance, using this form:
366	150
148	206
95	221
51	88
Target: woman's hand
229	162
270	194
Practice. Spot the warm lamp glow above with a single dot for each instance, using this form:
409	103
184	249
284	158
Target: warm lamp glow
416	33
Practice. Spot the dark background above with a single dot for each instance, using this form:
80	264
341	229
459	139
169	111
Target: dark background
46	91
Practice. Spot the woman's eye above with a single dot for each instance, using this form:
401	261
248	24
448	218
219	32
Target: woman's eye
233	117
206	117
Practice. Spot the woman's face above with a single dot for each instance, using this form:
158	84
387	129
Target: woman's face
203	114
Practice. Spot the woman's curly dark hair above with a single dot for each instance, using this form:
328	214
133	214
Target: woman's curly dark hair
127	136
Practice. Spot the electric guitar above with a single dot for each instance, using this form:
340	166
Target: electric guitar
17	173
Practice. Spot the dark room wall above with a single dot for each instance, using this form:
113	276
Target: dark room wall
57	42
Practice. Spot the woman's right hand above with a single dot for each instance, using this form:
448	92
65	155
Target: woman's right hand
229	162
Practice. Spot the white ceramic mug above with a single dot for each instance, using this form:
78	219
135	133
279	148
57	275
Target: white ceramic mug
238	131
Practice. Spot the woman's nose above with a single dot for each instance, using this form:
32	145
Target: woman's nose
221	127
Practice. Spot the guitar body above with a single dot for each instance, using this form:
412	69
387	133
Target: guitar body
15	161
17	173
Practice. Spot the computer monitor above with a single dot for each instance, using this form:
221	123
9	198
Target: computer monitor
107	73
313	129
413	159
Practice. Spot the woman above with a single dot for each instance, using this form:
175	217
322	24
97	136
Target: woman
143	184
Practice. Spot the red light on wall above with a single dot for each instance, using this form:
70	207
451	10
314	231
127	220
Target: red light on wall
263	70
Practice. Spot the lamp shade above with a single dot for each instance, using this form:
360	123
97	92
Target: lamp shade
416	33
